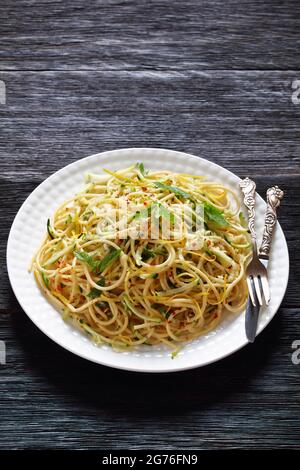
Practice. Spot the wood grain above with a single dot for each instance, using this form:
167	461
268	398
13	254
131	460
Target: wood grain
156	35
55	400
245	121
211	78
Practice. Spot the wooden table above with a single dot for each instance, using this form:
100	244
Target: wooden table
211	78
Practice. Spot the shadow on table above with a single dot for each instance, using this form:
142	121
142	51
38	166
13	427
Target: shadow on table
114	392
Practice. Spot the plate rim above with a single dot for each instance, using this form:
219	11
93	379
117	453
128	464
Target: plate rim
121	366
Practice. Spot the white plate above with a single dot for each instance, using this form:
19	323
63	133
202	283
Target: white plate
29	227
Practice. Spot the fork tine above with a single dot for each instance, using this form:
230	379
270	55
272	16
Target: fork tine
257	290
251	291
265	288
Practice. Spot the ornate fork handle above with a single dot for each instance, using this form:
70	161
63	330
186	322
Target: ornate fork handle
248	187
274	196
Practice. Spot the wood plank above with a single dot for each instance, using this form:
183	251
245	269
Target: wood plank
12	197
52	399
245	121
160	35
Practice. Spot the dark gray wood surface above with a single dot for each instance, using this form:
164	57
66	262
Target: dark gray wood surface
211	78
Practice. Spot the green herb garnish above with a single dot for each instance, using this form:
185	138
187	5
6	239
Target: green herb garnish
164	312
85	257
113	254
177	191
158	210
96	265
141	168
214	215
147	254
94	293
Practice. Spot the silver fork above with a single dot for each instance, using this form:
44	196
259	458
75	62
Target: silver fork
274	197
256	273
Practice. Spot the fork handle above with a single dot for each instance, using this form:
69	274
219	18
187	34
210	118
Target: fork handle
274	196
248	188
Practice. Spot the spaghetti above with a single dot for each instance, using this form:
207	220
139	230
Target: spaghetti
126	290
